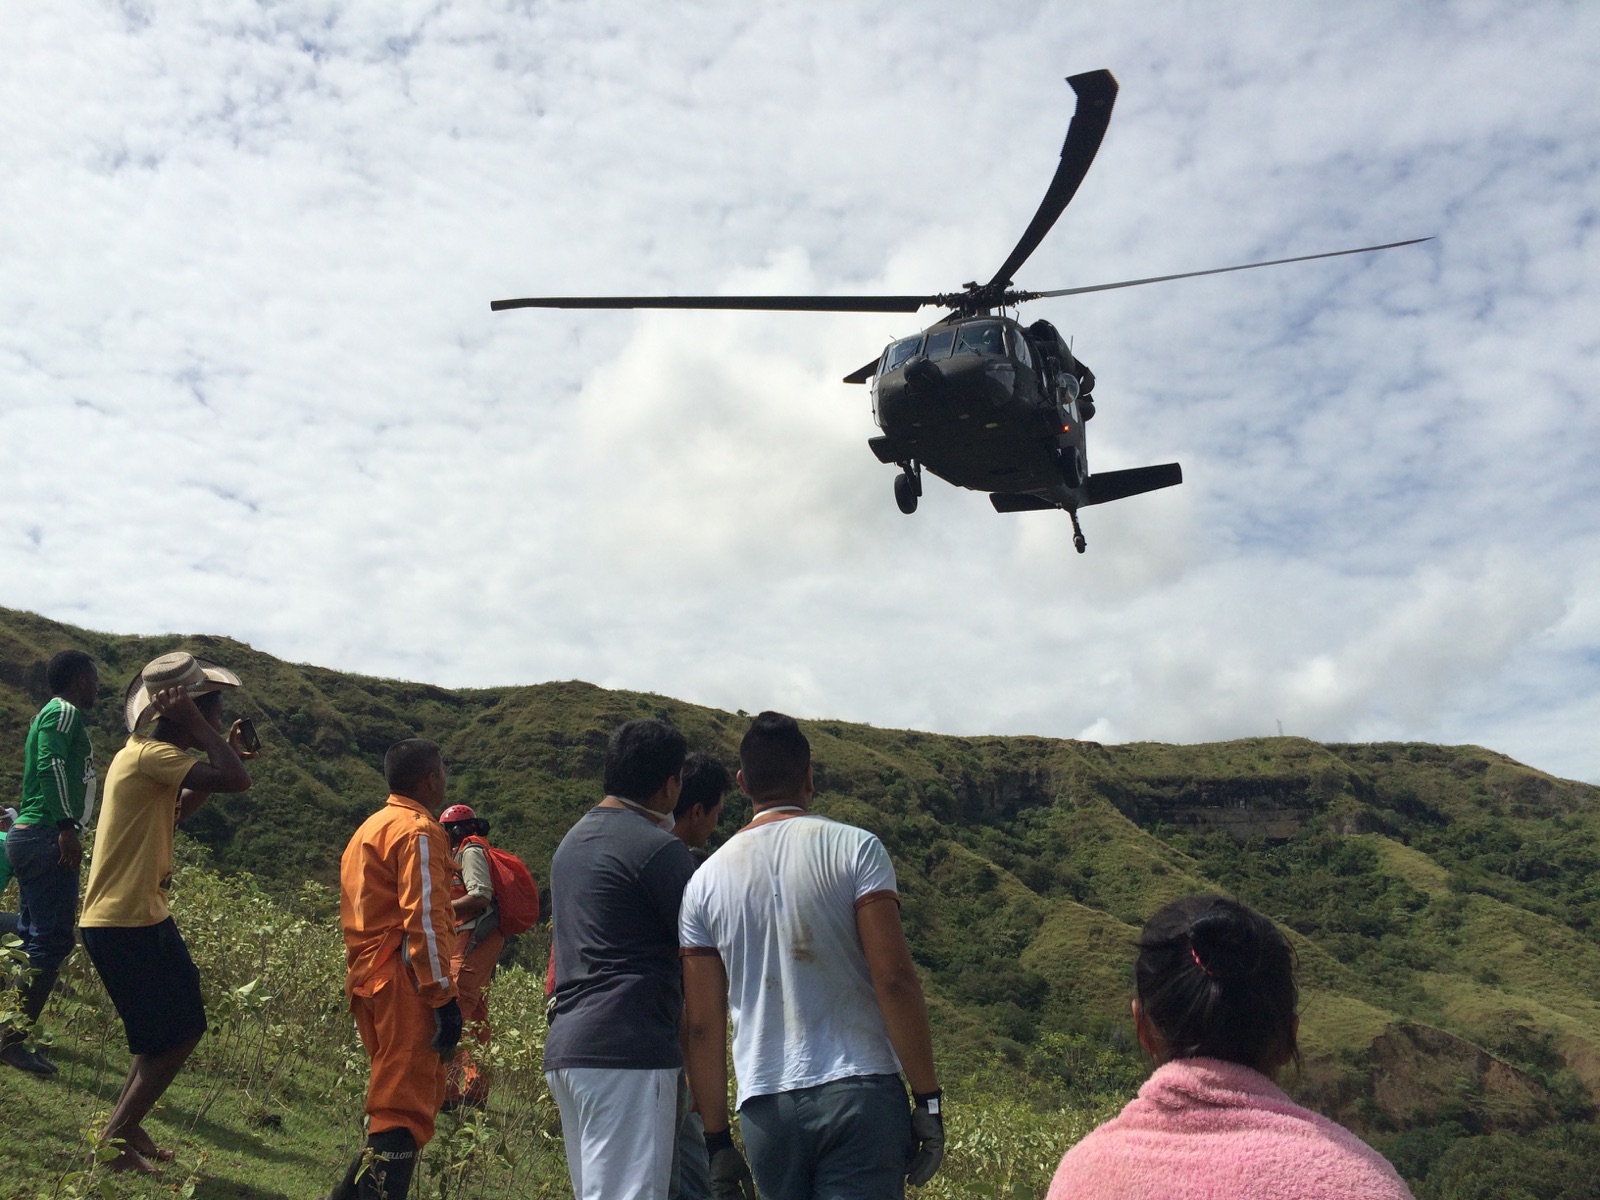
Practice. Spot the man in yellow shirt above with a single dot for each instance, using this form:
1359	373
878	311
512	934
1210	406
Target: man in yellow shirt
152	783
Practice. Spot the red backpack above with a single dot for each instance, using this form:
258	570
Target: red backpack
516	895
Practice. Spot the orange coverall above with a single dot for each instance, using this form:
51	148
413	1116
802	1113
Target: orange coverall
399	938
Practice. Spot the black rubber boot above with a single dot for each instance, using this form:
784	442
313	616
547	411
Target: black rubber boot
394	1158
347	1186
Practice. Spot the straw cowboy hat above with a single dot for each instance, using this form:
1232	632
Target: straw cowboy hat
178	669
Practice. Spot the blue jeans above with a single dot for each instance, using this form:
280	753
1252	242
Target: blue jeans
47	912
845	1140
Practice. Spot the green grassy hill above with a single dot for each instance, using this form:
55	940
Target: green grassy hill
1444	901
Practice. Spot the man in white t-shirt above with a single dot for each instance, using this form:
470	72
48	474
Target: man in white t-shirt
794	926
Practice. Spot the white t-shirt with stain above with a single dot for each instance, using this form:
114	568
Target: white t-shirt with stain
778	903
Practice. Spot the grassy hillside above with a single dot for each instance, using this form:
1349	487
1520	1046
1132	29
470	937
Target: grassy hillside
1444	901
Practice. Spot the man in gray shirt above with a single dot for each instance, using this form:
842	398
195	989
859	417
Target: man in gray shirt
612	1056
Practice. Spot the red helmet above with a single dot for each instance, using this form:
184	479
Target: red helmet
457	812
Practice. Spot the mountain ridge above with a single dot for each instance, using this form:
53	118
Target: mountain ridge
1444	901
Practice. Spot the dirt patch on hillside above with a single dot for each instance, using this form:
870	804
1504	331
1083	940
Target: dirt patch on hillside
1415	1076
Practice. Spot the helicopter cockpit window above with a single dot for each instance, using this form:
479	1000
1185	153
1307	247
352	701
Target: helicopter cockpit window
939	342
900	351
1019	347
980	338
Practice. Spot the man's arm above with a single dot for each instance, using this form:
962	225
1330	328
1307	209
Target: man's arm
479	881
224	770
899	991
905	1014
427	921
54	749
705	1034
705	1059
468	907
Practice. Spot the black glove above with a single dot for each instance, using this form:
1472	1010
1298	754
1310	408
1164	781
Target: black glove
730	1174
446	1028
926	1150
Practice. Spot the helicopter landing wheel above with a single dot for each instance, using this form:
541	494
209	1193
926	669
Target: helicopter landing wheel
1079	542
906	491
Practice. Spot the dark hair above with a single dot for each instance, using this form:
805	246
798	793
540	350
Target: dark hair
705	782
408	763
773	756
641	756
1216	980
65	669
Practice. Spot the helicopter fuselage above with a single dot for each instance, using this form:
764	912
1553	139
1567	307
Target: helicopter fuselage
985	404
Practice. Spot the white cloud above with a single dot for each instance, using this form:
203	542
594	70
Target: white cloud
249	382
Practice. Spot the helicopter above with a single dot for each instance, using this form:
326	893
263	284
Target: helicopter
978	399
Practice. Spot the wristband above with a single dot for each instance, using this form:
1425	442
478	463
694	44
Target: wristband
719	1141
930	1100
69	823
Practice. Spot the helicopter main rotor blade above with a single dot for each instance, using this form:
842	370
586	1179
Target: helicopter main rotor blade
888	304
1276	262
1097	91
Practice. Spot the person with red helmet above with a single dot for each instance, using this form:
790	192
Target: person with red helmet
478	944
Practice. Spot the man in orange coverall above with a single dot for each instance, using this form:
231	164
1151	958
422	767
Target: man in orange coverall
399	937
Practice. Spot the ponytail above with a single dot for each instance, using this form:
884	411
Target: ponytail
1216	980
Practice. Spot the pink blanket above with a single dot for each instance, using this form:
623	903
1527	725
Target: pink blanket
1201	1129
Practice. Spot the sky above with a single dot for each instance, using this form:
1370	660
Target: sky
250	383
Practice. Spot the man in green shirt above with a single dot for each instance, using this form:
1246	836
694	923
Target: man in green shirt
58	789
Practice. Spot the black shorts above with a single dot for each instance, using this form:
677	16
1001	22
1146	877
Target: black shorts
152	981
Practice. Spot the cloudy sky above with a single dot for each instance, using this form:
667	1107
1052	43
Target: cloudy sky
250	383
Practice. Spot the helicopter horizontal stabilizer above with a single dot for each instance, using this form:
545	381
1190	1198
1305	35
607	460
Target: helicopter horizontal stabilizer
888	450
1019	502
862	374
1117	485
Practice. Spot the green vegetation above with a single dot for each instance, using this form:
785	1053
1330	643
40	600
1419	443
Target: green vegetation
1443	902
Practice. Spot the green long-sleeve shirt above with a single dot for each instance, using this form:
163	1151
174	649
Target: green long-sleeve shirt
58	779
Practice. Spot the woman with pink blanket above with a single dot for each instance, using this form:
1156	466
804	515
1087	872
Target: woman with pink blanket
1216	1011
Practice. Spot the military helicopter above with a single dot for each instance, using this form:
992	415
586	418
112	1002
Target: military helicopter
978	399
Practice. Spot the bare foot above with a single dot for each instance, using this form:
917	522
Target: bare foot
145	1145
131	1160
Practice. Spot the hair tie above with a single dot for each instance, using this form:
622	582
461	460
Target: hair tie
1195	954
